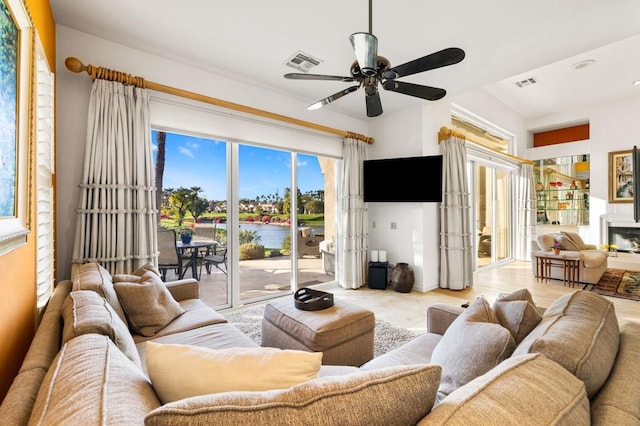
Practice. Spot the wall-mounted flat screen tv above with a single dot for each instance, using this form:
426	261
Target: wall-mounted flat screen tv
409	179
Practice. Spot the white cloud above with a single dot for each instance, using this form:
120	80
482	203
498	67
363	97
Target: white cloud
186	151
302	163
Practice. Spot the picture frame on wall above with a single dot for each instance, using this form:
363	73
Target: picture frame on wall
621	176
16	84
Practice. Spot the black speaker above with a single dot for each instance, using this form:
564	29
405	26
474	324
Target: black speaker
378	275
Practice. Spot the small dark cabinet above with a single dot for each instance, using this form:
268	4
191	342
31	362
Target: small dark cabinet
378	275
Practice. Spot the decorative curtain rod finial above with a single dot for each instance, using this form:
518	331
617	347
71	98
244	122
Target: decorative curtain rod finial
74	64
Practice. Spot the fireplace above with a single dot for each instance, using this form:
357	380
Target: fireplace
625	236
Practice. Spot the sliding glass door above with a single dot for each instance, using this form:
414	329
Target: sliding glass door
262	219
492	212
264	223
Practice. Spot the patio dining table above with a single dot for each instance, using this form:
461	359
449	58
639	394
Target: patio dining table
193	250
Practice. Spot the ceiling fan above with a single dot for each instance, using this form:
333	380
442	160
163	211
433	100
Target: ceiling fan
369	70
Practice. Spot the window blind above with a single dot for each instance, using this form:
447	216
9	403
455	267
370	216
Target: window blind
45	161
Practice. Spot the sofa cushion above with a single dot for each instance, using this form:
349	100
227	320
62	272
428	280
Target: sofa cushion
416	351
147	304
181	371
545	241
525	390
580	332
91	382
92	276
617	401
517	313
391	396
473	344
86	312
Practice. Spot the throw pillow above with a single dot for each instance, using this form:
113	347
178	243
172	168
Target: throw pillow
400	395
135	275
472	345
566	243
85	312
576	239
525	390
148	304
181	371
517	313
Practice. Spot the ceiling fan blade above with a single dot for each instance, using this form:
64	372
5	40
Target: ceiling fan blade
443	58
301	76
332	98
374	105
365	47
425	92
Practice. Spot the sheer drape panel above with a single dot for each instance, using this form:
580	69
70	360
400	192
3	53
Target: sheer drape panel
456	256
526	219
116	214
352	247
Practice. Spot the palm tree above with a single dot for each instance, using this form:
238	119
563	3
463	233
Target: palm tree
161	138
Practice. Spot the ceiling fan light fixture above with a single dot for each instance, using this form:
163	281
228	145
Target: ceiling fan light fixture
365	46
315	106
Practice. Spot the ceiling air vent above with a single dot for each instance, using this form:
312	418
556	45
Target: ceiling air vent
302	61
526	82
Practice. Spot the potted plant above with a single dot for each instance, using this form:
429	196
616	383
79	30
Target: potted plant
186	233
556	247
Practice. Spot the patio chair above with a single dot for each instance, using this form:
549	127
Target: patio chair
308	244
169	256
216	260
205	232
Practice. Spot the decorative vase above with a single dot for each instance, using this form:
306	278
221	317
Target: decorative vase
186	239
539	186
402	278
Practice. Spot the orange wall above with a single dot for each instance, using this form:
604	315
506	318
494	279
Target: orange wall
17	268
567	134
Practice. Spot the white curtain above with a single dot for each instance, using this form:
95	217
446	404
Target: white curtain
526	211
456	256
352	247
116	224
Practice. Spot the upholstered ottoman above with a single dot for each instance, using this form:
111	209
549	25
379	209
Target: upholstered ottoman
343	332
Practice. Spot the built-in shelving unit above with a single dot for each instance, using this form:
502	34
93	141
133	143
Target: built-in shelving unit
562	190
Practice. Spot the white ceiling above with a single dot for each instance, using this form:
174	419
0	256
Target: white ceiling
504	40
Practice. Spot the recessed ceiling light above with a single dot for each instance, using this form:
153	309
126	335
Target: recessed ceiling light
636	83
583	64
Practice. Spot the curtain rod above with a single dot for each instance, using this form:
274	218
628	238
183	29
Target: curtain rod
76	66
445	132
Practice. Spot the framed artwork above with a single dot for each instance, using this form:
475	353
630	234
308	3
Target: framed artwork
16	83
621	177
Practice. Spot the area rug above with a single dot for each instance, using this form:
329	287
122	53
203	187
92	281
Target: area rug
386	336
619	283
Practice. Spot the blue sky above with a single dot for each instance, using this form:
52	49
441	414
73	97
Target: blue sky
192	161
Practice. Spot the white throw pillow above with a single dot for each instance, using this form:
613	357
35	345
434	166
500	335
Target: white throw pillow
181	371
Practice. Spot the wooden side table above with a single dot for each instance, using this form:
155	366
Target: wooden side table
570	267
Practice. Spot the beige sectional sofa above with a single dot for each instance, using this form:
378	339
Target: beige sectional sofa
593	262
509	363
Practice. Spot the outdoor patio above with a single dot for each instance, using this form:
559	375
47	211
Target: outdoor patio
258	278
